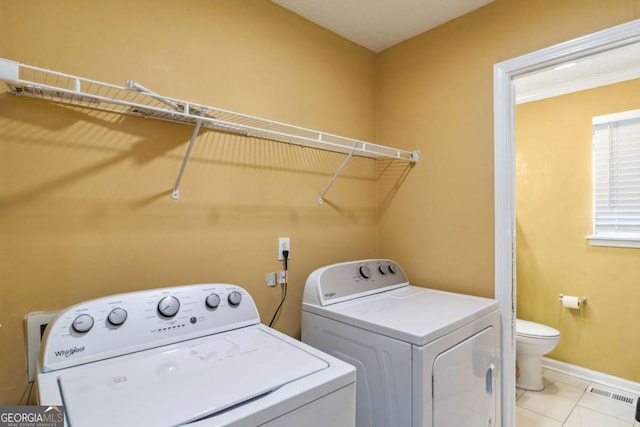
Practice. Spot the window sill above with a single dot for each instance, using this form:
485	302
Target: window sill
614	241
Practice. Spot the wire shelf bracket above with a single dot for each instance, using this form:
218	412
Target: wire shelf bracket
135	99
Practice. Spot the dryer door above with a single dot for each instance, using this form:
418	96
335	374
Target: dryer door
465	381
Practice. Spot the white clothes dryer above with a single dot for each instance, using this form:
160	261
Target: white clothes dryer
194	355
424	358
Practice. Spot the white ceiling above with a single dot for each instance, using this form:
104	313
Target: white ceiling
601	69
379	24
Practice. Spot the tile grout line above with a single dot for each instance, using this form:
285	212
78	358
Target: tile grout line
583	386
547	416
576	404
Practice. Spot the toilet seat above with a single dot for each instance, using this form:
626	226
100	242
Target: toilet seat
527	329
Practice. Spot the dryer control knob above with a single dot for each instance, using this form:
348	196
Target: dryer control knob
213	300
234	298
391	269
169	306
117	316
83	323
382	270
365	271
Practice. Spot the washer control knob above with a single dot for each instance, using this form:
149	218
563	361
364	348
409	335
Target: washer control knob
234	298
117	316
365	271
169	306
213	300
382	270
83	323
392	269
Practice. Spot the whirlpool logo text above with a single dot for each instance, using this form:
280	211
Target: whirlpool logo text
68	352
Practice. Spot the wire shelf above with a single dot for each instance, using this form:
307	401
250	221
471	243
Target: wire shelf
134	99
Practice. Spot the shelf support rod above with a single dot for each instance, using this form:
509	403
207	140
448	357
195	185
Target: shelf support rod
335	175
175	194
137	86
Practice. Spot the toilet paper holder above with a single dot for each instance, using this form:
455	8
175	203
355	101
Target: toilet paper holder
581	300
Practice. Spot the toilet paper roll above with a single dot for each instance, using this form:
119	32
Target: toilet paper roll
571	302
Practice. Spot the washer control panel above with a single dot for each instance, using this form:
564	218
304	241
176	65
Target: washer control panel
125	323
354	279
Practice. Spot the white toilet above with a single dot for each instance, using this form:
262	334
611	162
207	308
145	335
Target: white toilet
533	341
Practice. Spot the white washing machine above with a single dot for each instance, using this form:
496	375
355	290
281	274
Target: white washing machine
423	357
194	355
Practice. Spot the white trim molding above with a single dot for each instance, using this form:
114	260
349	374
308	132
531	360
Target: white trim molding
614	241
504	176
591	376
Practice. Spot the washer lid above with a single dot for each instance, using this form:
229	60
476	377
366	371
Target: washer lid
526	328
183	382
411	314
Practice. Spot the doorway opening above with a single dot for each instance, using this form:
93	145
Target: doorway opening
504	175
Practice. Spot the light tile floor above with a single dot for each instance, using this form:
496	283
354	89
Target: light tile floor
566	402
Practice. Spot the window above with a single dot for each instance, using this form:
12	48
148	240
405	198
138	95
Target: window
616	180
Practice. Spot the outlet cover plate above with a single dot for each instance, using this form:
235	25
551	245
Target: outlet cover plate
283	245
34	324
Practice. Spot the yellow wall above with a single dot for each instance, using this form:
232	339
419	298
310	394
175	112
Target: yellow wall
554	210
435	93
85	208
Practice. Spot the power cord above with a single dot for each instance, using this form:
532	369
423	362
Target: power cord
285	255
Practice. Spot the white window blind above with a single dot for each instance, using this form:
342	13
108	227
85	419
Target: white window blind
616	169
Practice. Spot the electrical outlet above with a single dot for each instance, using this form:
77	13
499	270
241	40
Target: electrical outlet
34	326
283	245
281	277
271	279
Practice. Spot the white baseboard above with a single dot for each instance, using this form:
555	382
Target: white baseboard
591	376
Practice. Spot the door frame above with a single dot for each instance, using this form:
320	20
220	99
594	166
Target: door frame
504	177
